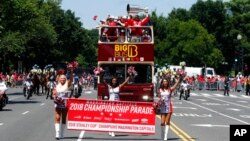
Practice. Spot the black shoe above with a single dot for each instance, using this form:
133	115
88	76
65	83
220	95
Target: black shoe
57	138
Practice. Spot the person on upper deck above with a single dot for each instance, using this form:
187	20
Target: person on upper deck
136	21
111	33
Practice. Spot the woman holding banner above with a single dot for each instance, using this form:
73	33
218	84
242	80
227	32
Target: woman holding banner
60	94
114	89
165	92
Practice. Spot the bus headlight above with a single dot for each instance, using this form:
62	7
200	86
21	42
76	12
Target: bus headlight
145	97
105	98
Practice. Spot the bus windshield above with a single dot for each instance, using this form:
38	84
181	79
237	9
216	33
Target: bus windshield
144	73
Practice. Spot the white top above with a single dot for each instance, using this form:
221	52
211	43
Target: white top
165	95
62	94
114	93
62	88
166	107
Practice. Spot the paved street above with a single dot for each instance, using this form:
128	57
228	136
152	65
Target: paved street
206	116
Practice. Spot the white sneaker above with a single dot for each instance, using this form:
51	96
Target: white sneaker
112	134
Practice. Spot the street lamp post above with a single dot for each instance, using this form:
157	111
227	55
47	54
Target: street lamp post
241	54
235	66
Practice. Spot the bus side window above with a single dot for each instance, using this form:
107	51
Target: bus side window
111	34
122	33
129	34
139	34
146	37
103	36
135	34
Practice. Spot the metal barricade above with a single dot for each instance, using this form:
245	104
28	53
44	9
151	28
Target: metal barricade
232	85
201	85
221	85
212	86
239	87
193	85
206	85
19	83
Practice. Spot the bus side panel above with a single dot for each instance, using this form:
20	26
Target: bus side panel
142	93
102	92
136	92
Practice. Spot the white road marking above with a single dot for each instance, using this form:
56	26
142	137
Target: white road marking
245	116
1	124
204	94
245	96
217	112
177	102
42	104
209	125
229	102
81	136
192	115
185	107
219	95
233	109
25	112
232	95
88	92
214	104
242	101
202	99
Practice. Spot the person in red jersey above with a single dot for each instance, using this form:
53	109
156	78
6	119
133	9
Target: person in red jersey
137	32
111	32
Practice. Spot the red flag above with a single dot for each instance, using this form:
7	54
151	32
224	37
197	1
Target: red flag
95	17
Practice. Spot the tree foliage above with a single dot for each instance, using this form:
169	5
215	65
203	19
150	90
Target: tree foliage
40	32
188	41
209	26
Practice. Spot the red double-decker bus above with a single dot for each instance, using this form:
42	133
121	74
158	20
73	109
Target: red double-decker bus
123	51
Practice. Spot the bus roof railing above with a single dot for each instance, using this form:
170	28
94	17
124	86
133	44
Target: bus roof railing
130	34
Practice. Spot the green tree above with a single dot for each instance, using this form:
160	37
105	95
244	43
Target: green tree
238	23
188	41
181	14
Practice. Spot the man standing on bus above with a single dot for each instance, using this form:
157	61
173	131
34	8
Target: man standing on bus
111	32
136	21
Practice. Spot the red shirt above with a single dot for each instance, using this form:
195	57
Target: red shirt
137	31
112	32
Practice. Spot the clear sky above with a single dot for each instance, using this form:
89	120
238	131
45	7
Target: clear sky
86	9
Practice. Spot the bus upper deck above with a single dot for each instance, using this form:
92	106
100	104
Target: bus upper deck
126	35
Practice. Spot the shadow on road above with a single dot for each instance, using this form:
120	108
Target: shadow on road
6	110
112	138
23	102
12	94
172	139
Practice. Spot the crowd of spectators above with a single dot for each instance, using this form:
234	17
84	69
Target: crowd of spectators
239	83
